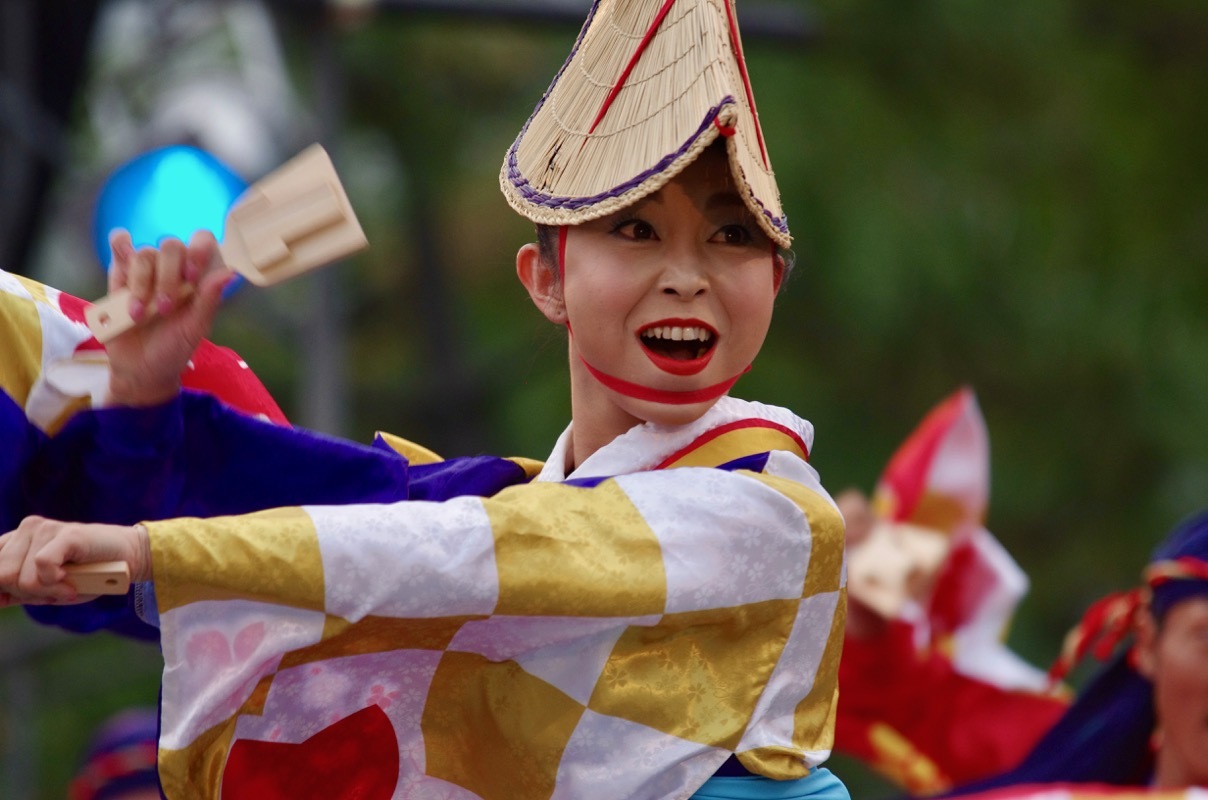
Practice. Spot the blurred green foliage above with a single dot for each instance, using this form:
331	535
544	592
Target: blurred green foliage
1010	196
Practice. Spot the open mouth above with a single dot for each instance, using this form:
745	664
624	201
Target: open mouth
680	348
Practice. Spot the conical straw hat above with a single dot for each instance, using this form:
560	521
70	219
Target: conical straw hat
649	85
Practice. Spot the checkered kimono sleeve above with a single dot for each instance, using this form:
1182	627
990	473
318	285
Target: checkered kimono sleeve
553	640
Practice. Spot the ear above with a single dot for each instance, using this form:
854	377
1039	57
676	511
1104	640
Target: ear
777	272
541	281
1145	648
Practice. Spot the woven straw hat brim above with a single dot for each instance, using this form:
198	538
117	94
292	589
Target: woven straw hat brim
648	86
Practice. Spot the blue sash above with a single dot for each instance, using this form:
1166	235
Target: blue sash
820	784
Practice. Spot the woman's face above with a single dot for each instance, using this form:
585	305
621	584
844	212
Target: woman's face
1175	659
673	294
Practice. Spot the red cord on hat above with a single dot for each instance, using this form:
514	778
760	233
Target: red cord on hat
725	130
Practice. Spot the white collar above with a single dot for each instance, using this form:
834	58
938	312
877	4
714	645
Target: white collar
647	445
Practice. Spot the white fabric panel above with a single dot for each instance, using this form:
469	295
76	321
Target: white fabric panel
308	698
678	502
567	653
609	758
415	559
793	676
226	647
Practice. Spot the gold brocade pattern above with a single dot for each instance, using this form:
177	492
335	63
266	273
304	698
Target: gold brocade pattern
257	700
377	635
827	532
777	763
70	409
36	290
697	674
552	559
21	332
531	466
418	454
414	453
554	599
736	444
270	555
814	722
501	730
183	772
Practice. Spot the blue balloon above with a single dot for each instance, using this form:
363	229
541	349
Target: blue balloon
171	191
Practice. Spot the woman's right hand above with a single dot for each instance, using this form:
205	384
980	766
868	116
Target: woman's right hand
175	292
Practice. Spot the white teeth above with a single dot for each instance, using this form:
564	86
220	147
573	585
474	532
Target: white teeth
679	334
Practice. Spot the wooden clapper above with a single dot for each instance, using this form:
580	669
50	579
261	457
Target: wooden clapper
293	220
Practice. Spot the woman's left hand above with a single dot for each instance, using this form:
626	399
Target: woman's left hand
33	558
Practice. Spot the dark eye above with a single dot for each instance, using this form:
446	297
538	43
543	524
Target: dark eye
734	234
635	229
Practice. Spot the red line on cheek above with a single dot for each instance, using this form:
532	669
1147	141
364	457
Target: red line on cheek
562	268
562	256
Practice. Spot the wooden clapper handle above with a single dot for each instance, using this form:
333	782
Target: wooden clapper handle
290	222
103	577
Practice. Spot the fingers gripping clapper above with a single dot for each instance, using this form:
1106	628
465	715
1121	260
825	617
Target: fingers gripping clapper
290	222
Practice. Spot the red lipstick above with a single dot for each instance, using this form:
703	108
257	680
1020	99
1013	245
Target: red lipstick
678	346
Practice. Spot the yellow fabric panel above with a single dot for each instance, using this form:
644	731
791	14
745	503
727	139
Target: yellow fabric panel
575	552
21	356
736	444
377	635
531	466
777	763
826	533
182	772
70	409
501	730
216	559
414	453
814	720
696	675
36	290
418	454
259	697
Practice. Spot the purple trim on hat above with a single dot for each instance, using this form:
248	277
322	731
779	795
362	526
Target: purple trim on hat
544	200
